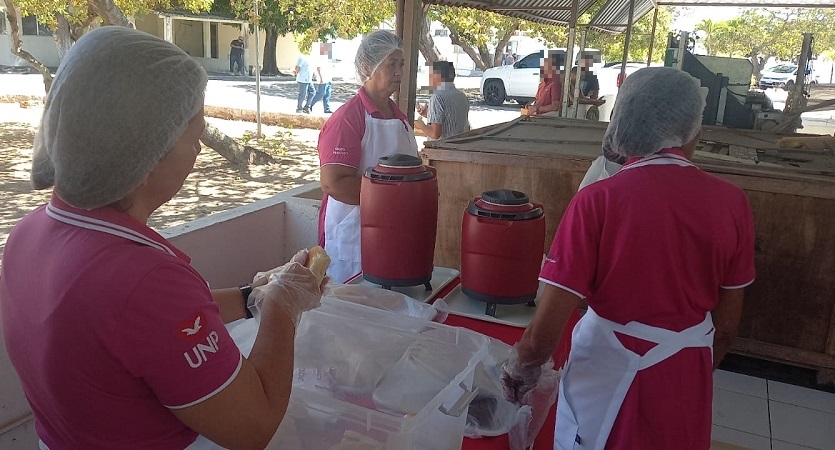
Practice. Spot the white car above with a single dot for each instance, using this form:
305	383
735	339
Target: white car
520	81
783	76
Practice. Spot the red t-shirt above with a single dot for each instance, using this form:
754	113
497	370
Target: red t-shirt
655	244
108	328
549	91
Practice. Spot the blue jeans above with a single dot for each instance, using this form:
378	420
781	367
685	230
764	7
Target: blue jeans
305	94
323	92
239	59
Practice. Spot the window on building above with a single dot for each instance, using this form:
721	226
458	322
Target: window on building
31	27
213	40
2	21
442	32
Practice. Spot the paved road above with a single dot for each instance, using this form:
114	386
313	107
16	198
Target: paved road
278	94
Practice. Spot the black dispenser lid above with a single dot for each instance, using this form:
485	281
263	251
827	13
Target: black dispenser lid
505	197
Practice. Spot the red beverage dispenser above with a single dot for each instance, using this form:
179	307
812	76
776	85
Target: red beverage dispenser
502	243
399	218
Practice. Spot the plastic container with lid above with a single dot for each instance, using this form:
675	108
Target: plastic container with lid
399	219
347	387
502	243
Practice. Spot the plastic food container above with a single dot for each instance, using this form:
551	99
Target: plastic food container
370	379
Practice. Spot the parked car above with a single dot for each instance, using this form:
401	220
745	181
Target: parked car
520	81
783	76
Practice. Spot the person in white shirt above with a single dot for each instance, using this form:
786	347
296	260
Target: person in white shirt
324	72
305	82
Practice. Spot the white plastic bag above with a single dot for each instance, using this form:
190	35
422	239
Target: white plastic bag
386	300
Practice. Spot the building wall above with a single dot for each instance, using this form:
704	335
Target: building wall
41	47
188	35
149	23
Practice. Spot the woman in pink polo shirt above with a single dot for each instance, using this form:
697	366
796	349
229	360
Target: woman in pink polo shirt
117	340
661	252
368	126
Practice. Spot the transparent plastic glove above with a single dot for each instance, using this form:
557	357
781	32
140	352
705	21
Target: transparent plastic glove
292	287
261	278
518	380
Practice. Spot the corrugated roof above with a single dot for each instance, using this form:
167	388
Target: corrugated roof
555	12
614	16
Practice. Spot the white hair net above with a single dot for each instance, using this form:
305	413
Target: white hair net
120	100
374	49
656	108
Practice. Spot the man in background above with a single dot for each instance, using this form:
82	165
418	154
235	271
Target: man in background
304	79
236	56
324	73
589	85
448	108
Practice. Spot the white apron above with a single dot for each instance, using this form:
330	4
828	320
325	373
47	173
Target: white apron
600	369
342	221
600	169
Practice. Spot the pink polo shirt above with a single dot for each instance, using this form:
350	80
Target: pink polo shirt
108	328
655	244
340	141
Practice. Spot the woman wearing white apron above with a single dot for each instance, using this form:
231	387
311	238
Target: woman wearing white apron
661	252
118	342
368	126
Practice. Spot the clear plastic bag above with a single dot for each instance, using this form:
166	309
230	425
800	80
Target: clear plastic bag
385	299
491	415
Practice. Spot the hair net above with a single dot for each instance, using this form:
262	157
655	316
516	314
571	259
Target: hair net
374	49
656	108
121	98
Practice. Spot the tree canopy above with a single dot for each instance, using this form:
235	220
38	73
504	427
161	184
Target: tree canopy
760	34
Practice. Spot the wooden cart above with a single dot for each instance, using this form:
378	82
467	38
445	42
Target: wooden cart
789	314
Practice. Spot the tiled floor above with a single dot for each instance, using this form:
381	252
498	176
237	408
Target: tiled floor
754	413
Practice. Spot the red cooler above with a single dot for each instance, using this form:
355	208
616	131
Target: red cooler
502	243
399	218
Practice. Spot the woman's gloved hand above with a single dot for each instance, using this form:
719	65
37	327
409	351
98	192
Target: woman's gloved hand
518	380
261	278
293	288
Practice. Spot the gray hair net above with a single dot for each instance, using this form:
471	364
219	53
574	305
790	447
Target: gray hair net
374	49
120	100
656	108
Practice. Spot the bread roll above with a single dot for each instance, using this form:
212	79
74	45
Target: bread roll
318	262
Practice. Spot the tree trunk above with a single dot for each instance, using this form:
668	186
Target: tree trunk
269	60
759	64
17	46
426	43
80	29
231	150
63	36
500	47
110	13
484	54
456	40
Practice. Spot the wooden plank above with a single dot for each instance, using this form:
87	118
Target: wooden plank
792	300
783	354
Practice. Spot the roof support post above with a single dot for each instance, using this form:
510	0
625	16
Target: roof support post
569	56
409	22
576	89
652	36
168	29
627	39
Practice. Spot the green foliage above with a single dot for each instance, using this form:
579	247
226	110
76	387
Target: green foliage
769	33
77	11
312	20
612	44
275	145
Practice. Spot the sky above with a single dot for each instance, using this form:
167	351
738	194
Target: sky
688	18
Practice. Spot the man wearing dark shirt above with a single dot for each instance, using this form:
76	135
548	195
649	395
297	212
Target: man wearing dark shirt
589	86
236	55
